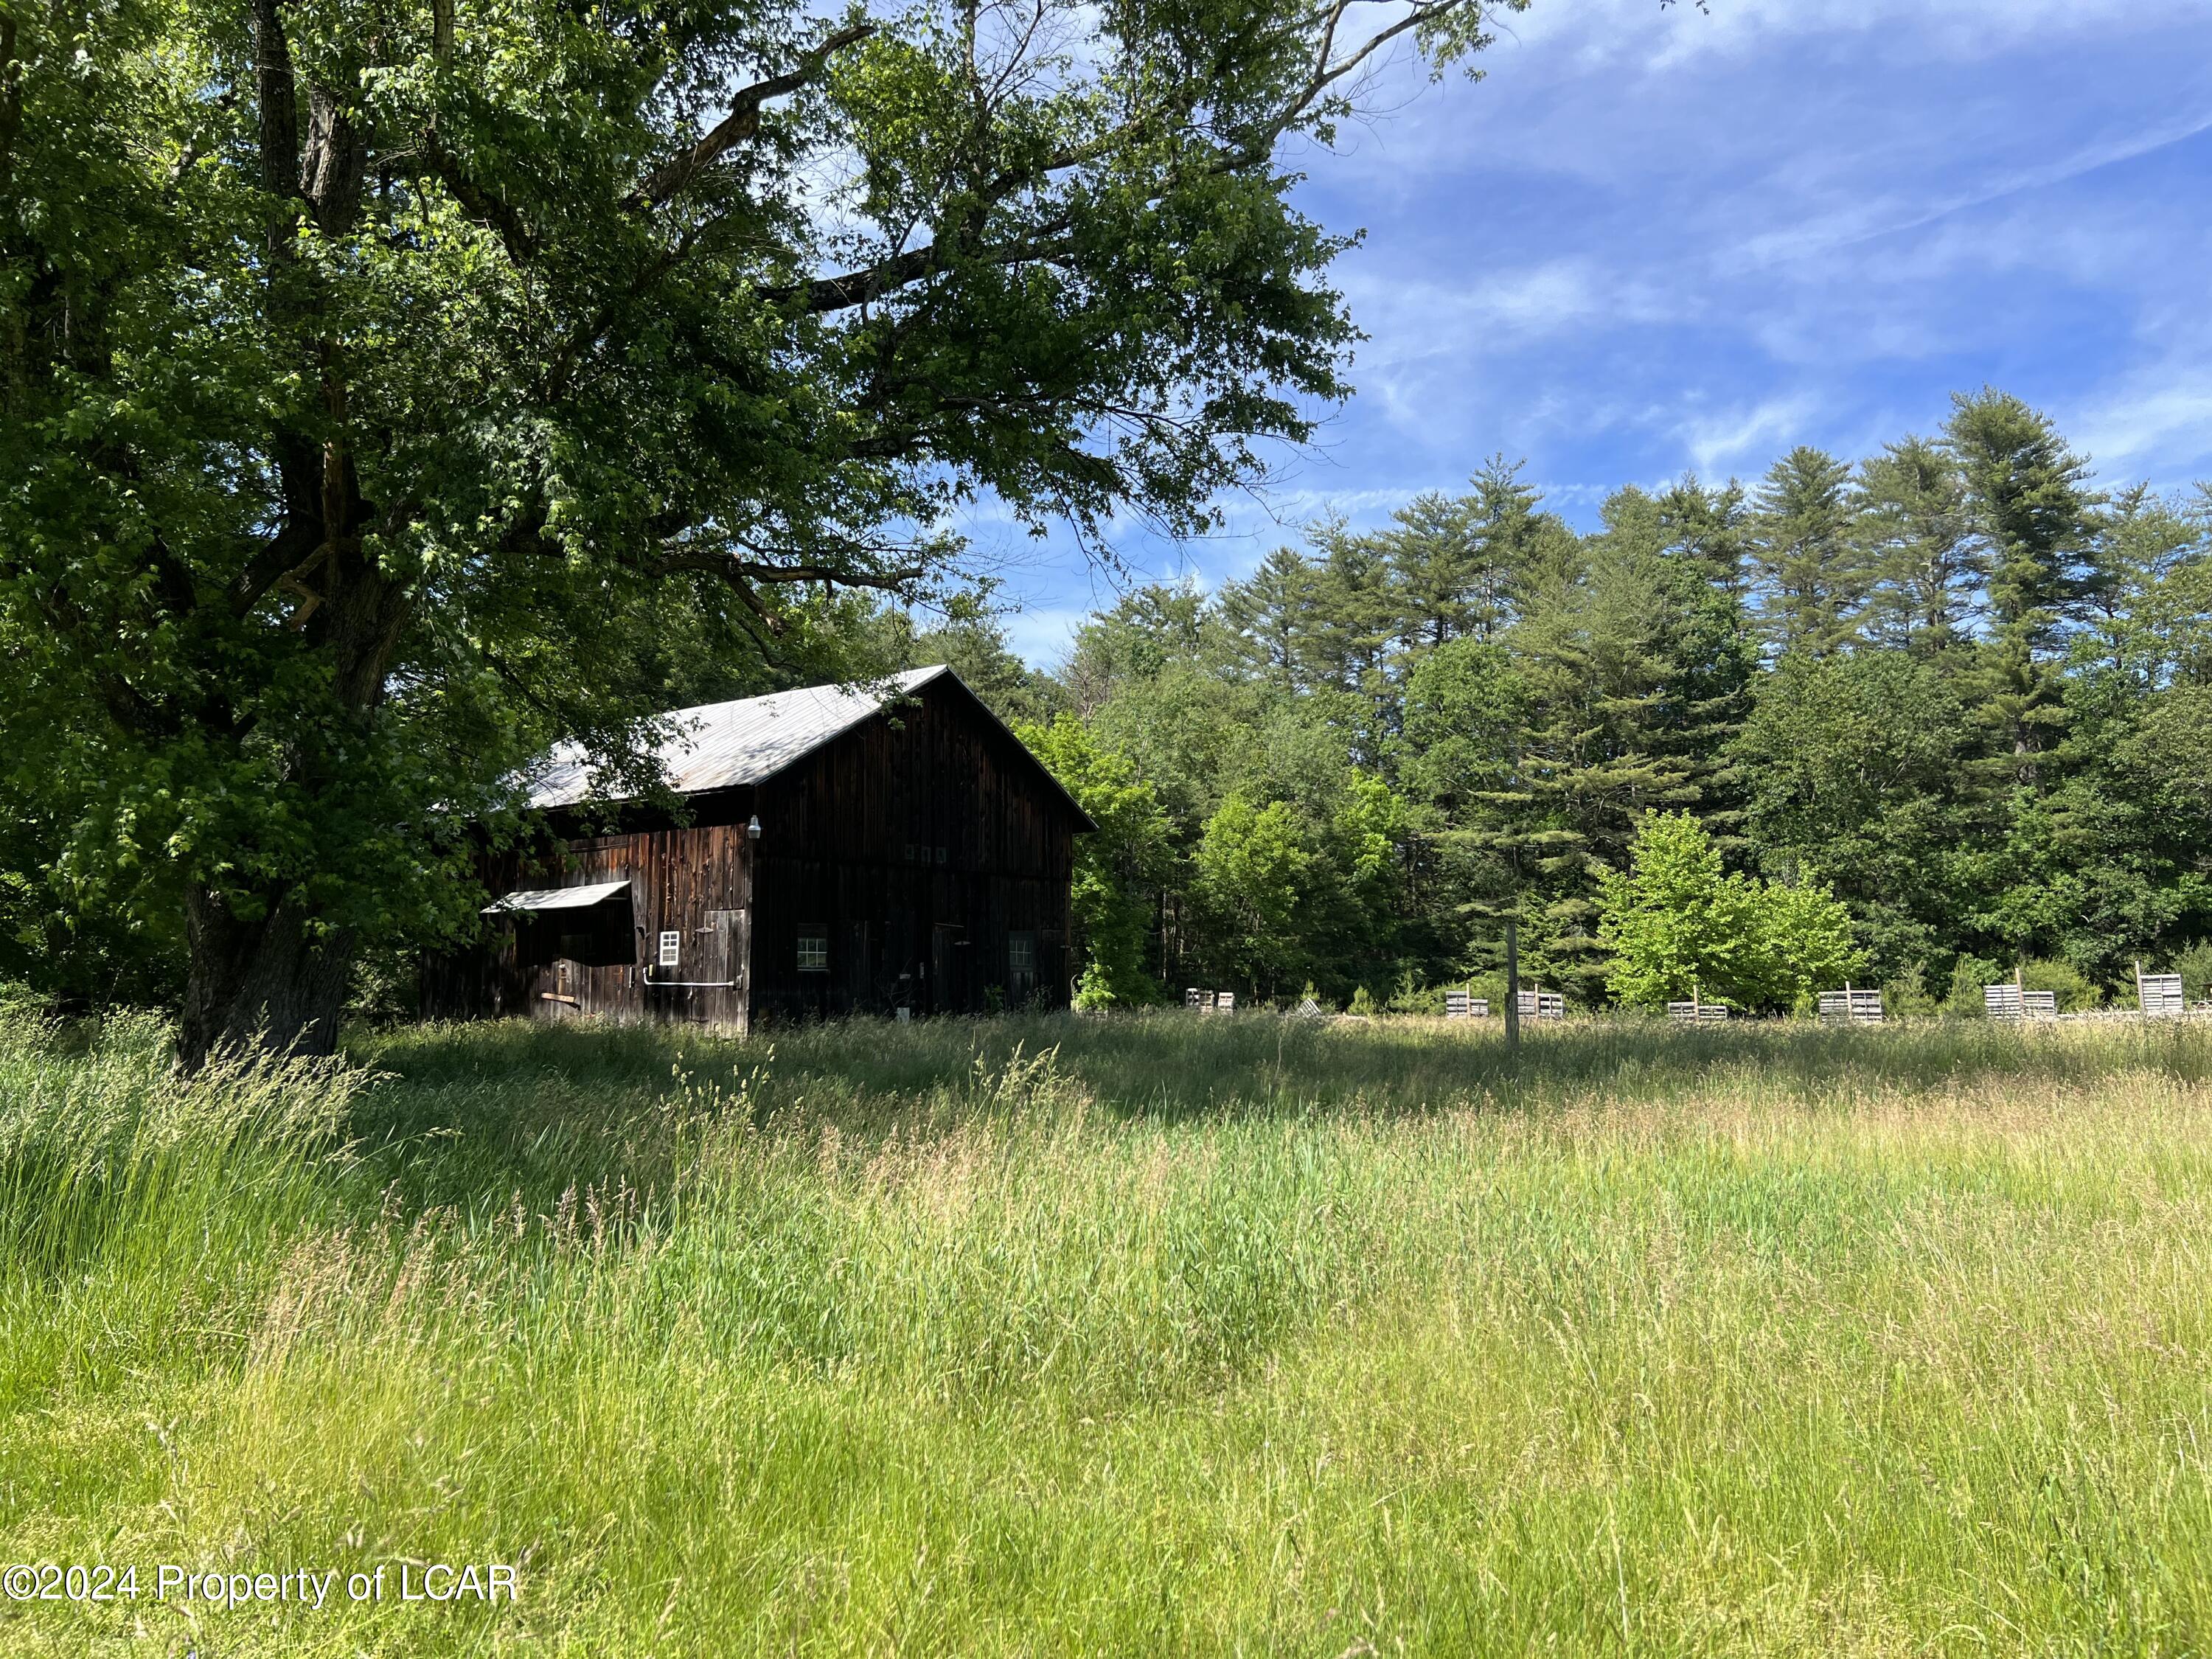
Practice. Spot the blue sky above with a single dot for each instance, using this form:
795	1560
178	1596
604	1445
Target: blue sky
1653	241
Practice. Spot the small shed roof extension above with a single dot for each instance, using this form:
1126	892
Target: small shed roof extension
728	746
534	899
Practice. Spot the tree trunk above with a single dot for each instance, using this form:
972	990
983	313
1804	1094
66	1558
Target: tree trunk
272	977
269	983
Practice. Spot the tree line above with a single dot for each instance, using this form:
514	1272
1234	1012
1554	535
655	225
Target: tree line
1926	719
1953	685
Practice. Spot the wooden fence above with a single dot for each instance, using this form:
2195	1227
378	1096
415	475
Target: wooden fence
1852	1007
1543	1005
2011	1002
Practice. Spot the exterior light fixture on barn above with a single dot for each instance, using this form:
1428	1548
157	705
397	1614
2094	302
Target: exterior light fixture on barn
888	848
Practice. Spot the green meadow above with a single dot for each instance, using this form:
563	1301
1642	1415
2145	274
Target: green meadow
1149	1336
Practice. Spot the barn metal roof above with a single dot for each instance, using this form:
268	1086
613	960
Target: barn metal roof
726	745
723	745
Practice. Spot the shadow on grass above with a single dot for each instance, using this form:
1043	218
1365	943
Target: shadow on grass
526	1105
1176	1066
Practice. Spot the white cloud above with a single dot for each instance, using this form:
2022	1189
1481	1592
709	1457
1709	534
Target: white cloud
2162	423
1892	213
1718	443
1599	33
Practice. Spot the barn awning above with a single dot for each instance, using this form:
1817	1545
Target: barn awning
534	899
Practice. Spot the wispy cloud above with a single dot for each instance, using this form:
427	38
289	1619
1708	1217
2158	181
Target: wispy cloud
1723	442
2160	428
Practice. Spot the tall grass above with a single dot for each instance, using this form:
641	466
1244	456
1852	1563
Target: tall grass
1157	1335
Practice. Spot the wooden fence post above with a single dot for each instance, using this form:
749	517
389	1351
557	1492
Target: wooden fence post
1512	985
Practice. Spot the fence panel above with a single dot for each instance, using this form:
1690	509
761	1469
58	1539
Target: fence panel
1852	1007
2159	995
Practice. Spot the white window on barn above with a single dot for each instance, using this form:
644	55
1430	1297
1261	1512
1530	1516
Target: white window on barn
813	948
1021	965
671	949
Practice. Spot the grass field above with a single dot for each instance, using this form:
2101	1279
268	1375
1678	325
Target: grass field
1155	1336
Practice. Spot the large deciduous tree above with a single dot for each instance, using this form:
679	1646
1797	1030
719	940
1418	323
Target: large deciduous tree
383	385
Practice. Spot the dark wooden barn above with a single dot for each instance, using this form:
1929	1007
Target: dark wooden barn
840	849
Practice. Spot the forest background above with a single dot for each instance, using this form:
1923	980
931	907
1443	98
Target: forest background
1954	684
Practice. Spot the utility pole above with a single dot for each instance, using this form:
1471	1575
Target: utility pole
1512	984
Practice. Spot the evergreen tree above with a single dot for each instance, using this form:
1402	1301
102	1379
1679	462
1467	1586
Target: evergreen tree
1509	525
1355	624
2031	512
1435	551
1146	630
1710	528
1266	618
1514	699
1455	563
1913	508
1811	571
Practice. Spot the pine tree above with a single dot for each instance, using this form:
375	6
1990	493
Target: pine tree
1435	554
1912	504
1267	618
1707	641
1811	572
2030	512
1712	527
1509	526
1354	623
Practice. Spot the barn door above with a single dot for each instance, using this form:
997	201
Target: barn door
857	968
723	960
948	983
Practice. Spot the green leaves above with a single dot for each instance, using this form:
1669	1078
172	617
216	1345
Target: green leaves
1677	925
1115	867
385	394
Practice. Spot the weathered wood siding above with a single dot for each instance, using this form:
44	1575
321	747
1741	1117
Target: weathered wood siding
691	881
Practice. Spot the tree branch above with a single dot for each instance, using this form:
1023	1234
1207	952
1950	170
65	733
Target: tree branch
871	282
281	553
521	243
743	120
886	581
